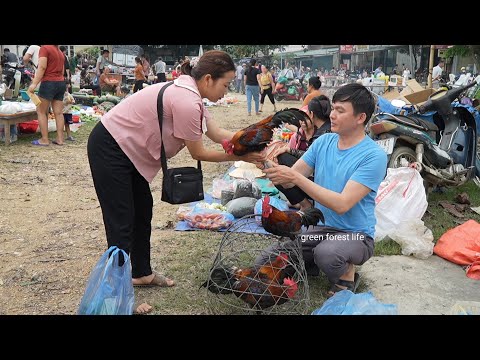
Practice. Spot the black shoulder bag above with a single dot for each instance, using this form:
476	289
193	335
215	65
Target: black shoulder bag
180	185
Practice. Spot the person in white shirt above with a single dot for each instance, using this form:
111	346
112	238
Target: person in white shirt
406	75
437	74
31	55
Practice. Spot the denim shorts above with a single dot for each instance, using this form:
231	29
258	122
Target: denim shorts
68	118
52	90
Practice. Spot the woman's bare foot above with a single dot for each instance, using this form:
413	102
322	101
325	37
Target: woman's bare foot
142	309
153	279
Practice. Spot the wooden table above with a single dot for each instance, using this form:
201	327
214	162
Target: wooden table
12	119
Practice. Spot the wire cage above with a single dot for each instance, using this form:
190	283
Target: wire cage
257	273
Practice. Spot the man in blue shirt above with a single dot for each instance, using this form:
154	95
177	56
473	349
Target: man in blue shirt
349	168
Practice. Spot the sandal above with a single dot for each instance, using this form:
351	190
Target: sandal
350	285
158	280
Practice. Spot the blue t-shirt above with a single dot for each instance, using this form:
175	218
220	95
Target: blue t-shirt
365	163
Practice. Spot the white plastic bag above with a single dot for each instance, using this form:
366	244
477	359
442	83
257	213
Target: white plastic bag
414	238
400	197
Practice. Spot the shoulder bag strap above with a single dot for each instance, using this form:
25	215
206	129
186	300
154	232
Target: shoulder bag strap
163	157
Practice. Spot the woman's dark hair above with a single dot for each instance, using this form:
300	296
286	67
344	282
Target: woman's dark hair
321	107
359	96
137	59
315	82
213	62
63	48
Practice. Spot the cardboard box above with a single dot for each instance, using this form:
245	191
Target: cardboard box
391	95
419	97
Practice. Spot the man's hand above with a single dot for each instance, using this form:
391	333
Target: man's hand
281	175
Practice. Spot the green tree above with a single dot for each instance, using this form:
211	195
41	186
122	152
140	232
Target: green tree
465	50
92	52
239	51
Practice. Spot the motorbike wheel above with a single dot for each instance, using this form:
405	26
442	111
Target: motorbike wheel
402	152
278	97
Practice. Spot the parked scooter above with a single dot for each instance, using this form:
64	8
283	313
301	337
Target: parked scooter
292	90
13	71
443	151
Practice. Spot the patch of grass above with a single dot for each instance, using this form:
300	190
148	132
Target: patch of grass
80	136
387	247
439	220
188	260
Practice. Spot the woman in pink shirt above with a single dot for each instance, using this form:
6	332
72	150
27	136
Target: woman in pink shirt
124	152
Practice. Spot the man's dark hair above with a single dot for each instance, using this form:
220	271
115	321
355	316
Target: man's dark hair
359	96
6	49
62	48
105	51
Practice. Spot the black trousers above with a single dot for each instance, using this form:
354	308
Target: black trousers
294	194
161	77
267	92
138	85
125	199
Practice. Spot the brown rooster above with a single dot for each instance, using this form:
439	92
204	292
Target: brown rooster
288	223
256	137
259	286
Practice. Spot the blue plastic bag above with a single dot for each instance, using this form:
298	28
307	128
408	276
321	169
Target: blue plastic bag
109	289
346	302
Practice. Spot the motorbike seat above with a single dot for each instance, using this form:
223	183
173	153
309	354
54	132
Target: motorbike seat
414	120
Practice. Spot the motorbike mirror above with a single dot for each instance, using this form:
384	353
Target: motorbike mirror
398	103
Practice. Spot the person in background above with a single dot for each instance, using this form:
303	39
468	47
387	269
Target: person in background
349	167
66	69
406	75
139	75
146	66
109	85
177	72
31	56
124	152
378	71
51	92
75	61
313	89
252	89
239	72
267	87
160	68
68	101
9	56
437	74
103	61
318	110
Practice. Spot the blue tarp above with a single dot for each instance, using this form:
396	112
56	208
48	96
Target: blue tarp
385	105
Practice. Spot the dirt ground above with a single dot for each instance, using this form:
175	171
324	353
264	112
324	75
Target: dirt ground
52	234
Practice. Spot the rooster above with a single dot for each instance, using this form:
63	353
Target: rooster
288	223
256	137
259	286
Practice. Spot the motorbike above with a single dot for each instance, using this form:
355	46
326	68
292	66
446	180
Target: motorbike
12	71
443	151
290	90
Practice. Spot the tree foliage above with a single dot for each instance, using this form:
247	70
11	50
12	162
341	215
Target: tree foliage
240	51
465	50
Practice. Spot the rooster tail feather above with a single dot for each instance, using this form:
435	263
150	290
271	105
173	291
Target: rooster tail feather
290	116
220	281
312	216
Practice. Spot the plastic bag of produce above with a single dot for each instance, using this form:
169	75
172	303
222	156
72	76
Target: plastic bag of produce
208	219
